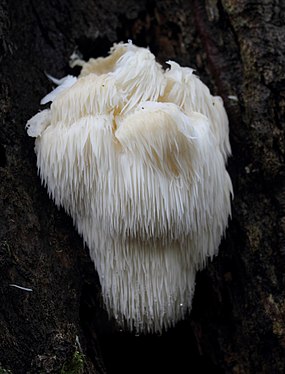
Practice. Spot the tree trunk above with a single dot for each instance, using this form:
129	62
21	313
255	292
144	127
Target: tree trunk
237	324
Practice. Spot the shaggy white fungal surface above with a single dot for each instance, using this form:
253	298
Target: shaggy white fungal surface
136	155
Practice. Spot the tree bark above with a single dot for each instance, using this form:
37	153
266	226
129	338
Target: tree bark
237	324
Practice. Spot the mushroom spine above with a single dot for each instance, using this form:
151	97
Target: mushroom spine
136	155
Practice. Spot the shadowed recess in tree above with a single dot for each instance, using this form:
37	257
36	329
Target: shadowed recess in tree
3	158
96	47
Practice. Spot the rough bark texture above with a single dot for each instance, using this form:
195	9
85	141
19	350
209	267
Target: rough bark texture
237	324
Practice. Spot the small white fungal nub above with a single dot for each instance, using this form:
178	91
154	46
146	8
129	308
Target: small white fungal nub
136	155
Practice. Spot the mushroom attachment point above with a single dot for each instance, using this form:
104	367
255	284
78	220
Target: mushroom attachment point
136	155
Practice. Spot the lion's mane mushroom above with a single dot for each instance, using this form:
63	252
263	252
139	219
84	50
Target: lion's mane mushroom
136	155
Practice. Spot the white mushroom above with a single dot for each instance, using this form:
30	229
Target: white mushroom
140	167
187	91
62	84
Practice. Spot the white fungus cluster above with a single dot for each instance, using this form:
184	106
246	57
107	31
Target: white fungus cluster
136	155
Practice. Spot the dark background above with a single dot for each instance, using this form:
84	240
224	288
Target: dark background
237	324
